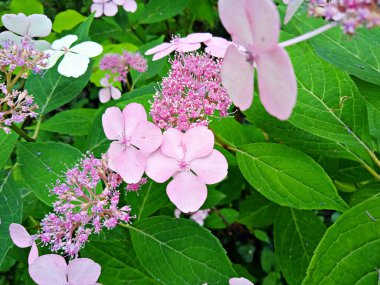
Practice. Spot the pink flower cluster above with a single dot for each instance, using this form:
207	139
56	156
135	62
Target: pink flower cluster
191	94
350	13
15	107
82	208
23	55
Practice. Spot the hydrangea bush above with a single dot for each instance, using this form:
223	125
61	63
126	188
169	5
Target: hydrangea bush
190	142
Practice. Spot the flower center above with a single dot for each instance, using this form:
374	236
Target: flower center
125	141
183	165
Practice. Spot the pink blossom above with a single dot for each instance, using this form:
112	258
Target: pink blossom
217	46
108	91
106	7
190	43
255	24
240	281
192	162
130	6
52	269
198	216
23	239
134	138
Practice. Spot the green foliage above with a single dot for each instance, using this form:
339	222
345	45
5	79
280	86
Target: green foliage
27	7
67	20
7	144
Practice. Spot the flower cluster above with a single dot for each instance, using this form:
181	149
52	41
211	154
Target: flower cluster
191	94
23	55
15	107
83	207
350	13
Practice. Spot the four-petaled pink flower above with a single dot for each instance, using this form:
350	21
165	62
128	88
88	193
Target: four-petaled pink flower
191	160
190	43
110	7
108	91
52	269
23	239
134	138
255	24
240	281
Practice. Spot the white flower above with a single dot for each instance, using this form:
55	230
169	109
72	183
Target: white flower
76	59
19	26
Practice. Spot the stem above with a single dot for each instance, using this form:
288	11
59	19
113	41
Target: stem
374	157
36	131
308	35
372	171
221	216
22	133
14	81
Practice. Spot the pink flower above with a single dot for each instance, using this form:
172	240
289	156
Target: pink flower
108	92
240	281
255	24
192	162
134	138
217	46
23	239
190	43
106	7
52	269
130	6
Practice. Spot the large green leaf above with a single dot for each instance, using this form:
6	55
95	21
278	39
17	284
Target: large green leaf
349	251
359	55
10	210
230	132
7	144
160	10
288	177
179	251
41	164
296	235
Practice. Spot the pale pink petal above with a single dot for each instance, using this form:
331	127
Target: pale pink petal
240	281
291	9
237	78
49	269
160	168
115	93
110	9
133	114
104	82
187	192
210	169
113	123
277	83
104	95
119	2
164	53
73	65
98	9
196	38
100	1
172	144
131	165
217	46
158	48
198	142
18	24
33	254
39	26
83	271
130	6
147	137
188	47
19	235
114	152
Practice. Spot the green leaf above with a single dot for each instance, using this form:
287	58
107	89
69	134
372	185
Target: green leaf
10	210
348	252
41	164
296	235
160	10
7	144
76	122
221	220
359	56
27	7
179	251
288	177
67	20
230	132
364	192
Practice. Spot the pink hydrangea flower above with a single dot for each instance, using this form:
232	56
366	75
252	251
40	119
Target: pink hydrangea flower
130	6
240	281
134	138
106	7
52	269
108	91
192	161
190	43
255	24
198	216
23	239
217	46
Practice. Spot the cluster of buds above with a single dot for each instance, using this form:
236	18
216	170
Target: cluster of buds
15	107
23	55
191	94
350	13
87	202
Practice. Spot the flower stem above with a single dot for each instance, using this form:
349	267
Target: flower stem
36	131
22	133
308	35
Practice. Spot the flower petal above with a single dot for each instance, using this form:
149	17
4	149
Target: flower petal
105	95
187	192
98	9
164	53
277	83
48	269
33	254
147	137
160	168
210	169
292	8
83	271
19	235
188	47
73	65
115	93
64	42
114	152
240	281
198	142
119	2
158	48
113	123
196	38
130	165
110	9
16	23
42	45
130	6
54	56
9	36
88	49
217	46
39	26
133	114
237	78
172	144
